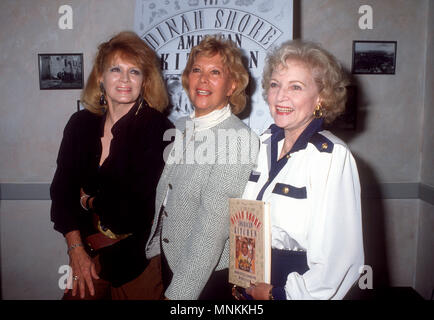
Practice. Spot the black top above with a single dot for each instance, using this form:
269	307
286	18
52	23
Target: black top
124	186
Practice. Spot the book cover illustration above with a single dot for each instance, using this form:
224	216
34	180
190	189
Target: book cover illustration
250	242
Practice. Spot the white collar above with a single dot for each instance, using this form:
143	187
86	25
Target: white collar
211	119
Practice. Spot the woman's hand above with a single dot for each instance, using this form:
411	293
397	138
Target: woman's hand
259	291
82	267
237	294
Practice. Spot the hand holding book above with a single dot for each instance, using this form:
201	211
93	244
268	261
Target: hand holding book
259	291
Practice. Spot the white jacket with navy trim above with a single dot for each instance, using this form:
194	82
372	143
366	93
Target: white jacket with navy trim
314	192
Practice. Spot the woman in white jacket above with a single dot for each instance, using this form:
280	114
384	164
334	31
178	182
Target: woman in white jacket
309	177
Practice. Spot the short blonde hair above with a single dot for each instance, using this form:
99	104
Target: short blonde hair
326	72
231	58
127	45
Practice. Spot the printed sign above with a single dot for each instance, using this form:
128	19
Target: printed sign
173	27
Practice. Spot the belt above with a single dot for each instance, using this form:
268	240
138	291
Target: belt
98	241
104	238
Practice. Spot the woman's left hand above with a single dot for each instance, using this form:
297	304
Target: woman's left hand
259	291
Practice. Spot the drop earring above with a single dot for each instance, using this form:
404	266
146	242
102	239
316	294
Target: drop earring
317	113
140	101
102	100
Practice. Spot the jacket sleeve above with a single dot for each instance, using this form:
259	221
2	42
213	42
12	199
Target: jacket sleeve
335	242
65	187
205	245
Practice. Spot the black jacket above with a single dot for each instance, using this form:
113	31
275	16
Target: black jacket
124	186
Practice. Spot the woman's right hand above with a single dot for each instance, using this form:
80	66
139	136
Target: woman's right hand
82	266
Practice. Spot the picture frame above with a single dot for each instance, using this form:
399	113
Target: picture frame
374	57
60	71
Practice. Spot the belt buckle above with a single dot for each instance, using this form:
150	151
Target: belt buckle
109	234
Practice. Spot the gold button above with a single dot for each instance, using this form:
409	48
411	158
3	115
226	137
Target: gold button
285	190
288	156
324	145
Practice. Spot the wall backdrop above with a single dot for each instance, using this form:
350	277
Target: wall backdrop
392	143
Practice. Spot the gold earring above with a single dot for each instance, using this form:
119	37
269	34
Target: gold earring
317	113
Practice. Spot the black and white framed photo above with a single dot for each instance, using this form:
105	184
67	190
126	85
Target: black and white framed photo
374	57
60	71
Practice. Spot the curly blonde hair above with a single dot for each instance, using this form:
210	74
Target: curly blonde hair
326	72
231	58
128	46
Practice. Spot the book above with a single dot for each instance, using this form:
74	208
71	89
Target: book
250	242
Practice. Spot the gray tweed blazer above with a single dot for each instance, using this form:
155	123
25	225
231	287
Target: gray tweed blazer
195	227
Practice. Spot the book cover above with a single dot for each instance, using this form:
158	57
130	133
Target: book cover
250	242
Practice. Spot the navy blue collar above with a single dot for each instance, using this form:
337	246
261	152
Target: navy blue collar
278	134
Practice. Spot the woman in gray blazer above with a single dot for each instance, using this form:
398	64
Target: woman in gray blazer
209	162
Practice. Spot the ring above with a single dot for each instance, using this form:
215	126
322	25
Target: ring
75	278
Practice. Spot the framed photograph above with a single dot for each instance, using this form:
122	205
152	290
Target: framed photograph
374	57
60	71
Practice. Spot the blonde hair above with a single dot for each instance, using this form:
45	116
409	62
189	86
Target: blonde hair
326	72
231	58
127	45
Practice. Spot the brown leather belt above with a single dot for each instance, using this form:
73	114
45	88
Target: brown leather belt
104	238
98	241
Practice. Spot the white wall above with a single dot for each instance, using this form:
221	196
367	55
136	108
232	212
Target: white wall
31	126
395	120
391	105
427	172
31	251
32	120
424	276
393	142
